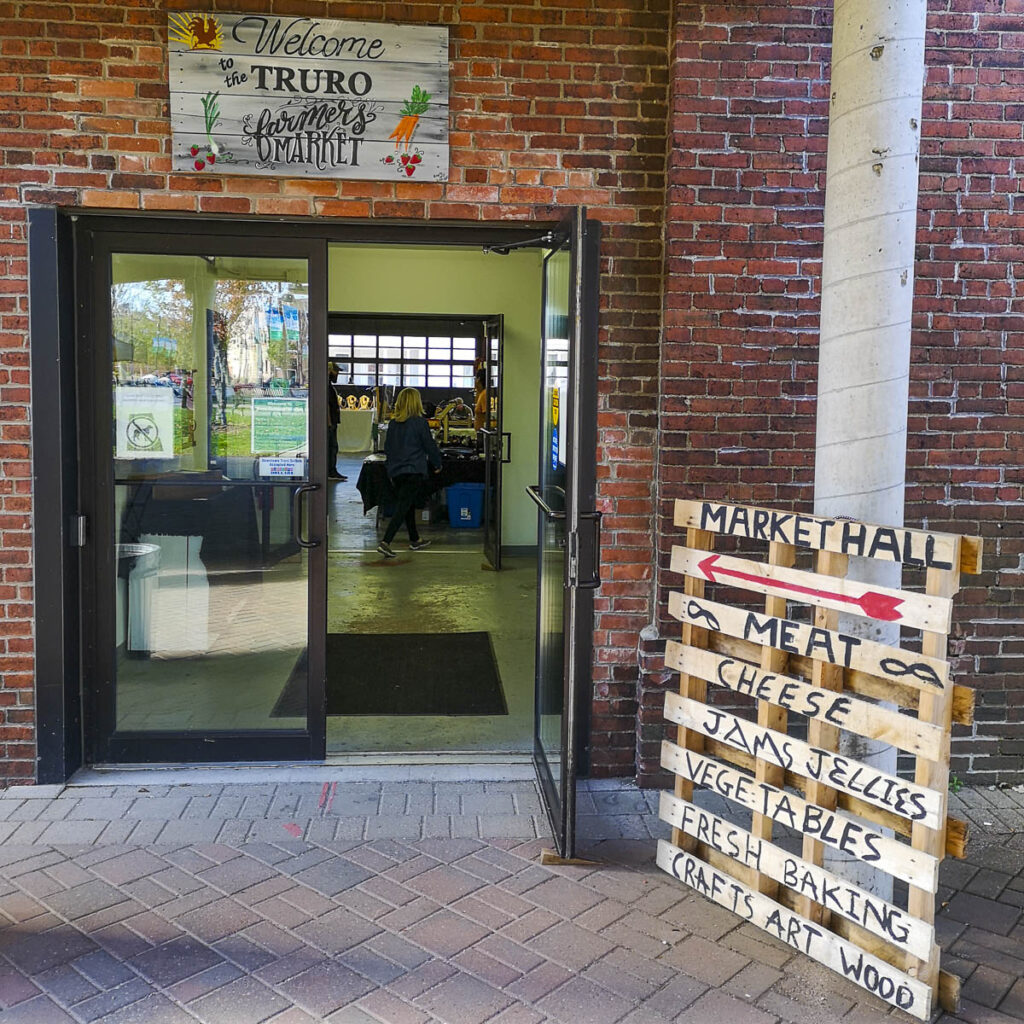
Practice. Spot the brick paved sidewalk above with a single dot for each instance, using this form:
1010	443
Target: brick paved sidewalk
400	902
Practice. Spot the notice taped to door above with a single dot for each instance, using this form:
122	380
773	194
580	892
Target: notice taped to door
750	676
296	96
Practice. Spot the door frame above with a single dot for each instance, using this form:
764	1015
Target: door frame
582	546
104	742
56	258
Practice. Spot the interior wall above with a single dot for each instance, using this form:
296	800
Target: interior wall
461	281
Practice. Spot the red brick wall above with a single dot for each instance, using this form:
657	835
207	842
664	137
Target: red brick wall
744	225
552	104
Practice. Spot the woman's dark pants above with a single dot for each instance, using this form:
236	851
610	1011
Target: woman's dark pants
407	490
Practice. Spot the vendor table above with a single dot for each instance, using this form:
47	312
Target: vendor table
375	489
355	431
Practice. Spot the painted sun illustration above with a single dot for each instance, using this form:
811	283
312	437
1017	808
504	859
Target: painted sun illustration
196	31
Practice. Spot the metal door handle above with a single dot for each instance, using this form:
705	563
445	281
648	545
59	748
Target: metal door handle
595	577
534	492
297	515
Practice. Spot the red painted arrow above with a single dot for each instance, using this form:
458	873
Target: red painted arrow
878	606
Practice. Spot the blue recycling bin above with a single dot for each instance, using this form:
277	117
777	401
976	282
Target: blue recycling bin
465	505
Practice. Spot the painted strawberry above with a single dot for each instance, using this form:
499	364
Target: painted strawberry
405	159
416	158
211	158
389	159
200	164
194	150
409	170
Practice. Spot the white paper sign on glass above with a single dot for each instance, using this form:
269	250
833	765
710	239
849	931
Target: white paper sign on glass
144	422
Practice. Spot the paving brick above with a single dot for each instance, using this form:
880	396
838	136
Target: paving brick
562	896
388	1008
462	999
113	999
332	876
324	988
65	985
243	1000
153	1009
363	960
444	933
217	919
203	983
35	952
14	987
987	914
705	961
40	1010
337	930
1013	1003
716	1007
583	1002
85	899
237	874
987	986
175	960
444	884
536	984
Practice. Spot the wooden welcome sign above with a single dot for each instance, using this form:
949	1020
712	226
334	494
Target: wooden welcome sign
297	96
833	680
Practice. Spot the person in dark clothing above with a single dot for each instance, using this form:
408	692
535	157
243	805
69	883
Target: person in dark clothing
411	450
333	419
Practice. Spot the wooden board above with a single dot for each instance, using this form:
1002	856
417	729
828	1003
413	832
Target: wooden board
836	709
917	548
803	640
298	96
837	895
832	829
918	611
863	969
876	787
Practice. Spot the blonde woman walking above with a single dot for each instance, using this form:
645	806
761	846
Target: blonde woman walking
411	450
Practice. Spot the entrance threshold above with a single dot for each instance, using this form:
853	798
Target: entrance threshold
442	767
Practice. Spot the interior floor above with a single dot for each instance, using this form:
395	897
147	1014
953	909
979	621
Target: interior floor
443	589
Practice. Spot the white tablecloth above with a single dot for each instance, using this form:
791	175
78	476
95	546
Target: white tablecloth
355	431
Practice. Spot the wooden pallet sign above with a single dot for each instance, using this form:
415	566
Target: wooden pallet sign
787	667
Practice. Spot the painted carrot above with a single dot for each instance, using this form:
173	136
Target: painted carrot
411	111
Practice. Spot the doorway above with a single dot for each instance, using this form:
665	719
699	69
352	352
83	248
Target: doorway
203	507
442	319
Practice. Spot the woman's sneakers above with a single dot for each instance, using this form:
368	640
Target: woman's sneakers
385	549
419	545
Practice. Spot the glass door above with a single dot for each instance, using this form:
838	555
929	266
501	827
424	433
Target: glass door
488	420
567	524
207	433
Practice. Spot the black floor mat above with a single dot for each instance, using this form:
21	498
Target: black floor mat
402	674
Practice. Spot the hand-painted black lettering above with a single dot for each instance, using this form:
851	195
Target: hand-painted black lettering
695	613
919	670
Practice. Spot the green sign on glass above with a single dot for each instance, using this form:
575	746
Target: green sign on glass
278	425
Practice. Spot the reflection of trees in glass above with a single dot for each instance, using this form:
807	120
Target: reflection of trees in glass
143	312
255	354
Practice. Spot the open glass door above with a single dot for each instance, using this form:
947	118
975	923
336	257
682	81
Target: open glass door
567	524
494	442
206	436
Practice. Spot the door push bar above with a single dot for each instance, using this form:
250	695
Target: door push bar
297	515
591	517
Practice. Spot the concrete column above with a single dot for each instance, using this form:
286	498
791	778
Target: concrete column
867	294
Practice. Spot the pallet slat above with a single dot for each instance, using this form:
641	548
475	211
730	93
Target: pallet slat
858	966
919	611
